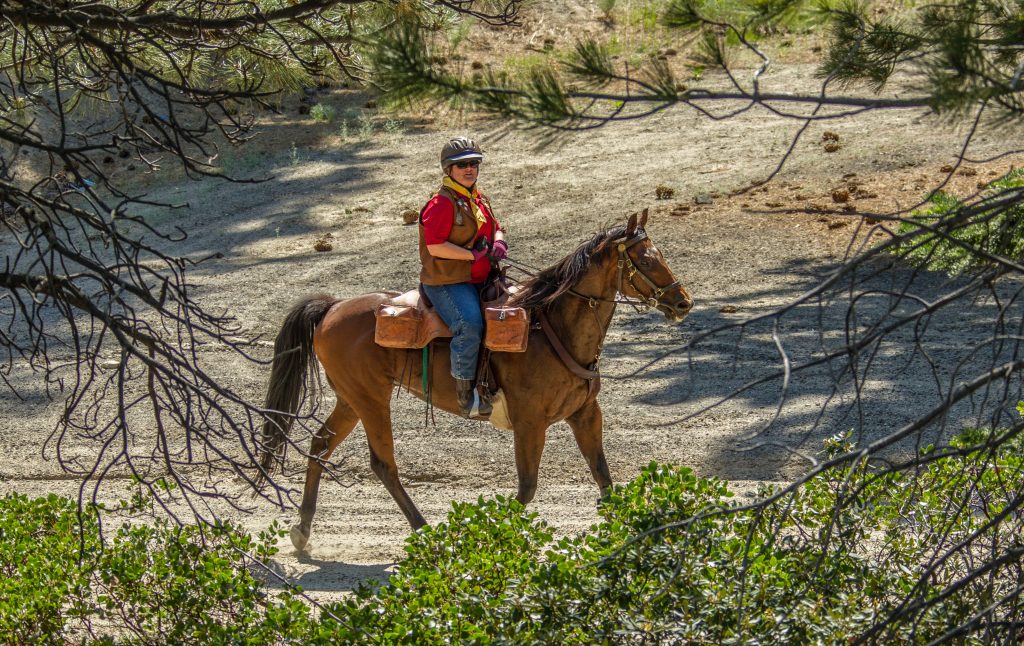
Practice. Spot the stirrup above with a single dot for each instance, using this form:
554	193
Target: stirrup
481	408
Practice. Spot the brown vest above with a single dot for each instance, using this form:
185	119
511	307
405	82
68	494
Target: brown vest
446	271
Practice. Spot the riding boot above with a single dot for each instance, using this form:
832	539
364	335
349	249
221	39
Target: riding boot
471	405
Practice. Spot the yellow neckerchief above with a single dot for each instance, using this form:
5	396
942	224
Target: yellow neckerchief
463	191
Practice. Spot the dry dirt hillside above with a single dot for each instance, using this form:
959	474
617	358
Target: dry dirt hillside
347	182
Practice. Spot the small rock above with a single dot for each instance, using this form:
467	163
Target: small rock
410	216
322	244
703	198
109	364
840	195
832	147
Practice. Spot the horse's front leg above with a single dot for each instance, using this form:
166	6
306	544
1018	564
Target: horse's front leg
587	426
529	445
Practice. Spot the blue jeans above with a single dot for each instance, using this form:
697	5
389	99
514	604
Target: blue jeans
459	307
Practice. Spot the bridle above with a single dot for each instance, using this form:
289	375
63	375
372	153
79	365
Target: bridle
627	270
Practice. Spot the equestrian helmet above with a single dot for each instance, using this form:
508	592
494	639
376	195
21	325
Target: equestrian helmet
459	149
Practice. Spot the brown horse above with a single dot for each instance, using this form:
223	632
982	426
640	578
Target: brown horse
575	298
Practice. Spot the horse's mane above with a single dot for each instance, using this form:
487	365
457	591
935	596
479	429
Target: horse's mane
542	290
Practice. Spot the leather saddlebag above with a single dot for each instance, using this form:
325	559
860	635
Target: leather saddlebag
506	329
398	326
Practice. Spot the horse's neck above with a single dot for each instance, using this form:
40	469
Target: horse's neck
581	326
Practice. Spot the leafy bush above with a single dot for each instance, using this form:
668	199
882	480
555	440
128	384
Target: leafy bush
151	583
960	240
856	552
853	552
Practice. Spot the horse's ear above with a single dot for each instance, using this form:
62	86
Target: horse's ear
643	218
631	226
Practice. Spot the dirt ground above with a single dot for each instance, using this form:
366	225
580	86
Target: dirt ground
741	256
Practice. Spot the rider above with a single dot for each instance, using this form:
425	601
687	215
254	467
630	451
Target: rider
458	236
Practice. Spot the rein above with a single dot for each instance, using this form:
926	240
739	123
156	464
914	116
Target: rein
591	375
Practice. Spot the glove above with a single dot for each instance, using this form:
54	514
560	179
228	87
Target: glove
480	249
499	250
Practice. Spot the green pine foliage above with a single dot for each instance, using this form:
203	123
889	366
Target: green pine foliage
953	236
968	52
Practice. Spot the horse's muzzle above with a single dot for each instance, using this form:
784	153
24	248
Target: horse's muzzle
678	308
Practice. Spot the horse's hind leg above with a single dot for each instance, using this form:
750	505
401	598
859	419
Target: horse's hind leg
335	429
382	461
586	425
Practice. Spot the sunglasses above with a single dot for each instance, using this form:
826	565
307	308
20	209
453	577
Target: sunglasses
463	165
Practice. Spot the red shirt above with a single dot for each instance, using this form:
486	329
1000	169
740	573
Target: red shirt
438	216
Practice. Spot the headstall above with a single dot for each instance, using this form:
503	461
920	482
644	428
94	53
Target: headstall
627	269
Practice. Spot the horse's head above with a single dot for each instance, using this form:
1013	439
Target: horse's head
645	275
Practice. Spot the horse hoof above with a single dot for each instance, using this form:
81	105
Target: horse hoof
299	538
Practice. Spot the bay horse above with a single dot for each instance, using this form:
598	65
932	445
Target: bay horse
575	299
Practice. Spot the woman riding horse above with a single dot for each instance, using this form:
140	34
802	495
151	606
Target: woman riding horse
458	236
555	379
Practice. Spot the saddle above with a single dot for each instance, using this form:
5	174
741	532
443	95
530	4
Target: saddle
410	321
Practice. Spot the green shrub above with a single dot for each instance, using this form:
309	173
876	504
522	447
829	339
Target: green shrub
673	559
672	562
322	112
43	586
150	583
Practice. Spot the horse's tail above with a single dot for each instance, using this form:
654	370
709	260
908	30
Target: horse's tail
292	371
